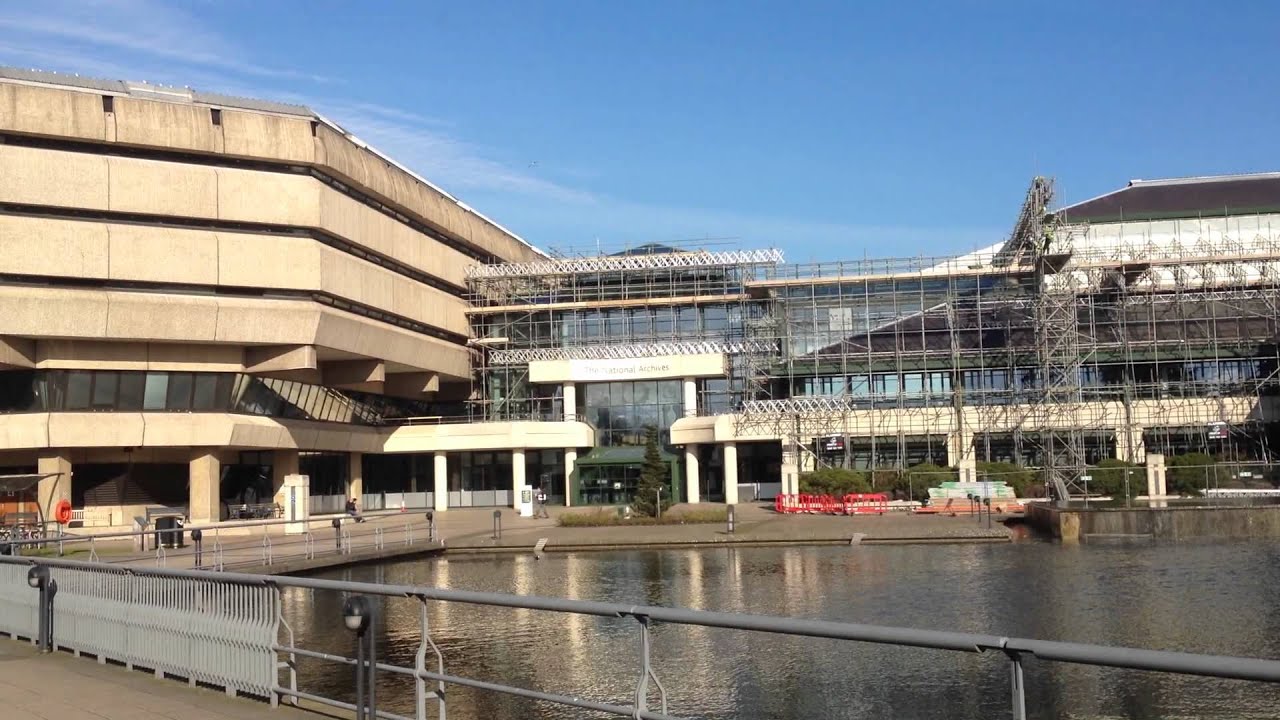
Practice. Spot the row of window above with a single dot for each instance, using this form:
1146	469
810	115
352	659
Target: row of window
615	325
126	391
916	384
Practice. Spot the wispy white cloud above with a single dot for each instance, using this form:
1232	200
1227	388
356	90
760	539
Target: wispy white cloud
555	207
452	162
142	28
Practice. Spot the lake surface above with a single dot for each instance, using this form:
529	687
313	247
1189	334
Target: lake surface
1219	598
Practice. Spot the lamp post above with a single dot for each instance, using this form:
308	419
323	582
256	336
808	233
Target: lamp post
357	615
38	579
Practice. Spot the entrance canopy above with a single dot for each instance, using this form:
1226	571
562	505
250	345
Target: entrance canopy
621	455
20	483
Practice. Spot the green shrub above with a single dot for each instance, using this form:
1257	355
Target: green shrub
834	481
1025	483
1191	473
610	517
919	478
1107	478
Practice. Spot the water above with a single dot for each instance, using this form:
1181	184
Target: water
1213	598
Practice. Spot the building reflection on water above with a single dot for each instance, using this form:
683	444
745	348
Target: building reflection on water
1182	597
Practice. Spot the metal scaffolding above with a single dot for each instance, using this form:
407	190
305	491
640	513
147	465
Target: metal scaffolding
1064	345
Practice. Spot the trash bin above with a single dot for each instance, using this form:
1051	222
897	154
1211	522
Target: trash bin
169	532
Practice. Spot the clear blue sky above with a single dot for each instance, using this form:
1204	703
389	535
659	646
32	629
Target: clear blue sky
830	130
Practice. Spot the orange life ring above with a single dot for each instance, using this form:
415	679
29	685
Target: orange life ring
62	512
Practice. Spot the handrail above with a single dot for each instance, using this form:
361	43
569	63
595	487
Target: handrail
230	525
1221	666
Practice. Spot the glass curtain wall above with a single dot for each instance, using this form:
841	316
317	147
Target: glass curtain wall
620	411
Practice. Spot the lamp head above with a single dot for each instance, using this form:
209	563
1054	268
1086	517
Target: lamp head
355	614
37	576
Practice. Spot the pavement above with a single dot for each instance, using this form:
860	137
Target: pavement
267	549
755	524
59	686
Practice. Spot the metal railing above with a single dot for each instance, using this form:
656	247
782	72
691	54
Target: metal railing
211	549
227	629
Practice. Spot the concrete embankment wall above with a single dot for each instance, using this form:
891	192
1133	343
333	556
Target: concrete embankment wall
1157	524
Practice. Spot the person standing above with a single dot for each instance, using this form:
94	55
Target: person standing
540	504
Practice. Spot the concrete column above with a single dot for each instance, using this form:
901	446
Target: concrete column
440	488
55	487
691	486
807	461
790	471
1129	444
1156	484
960	455
517	476
204	485
570	402
355	475
284	462
731	473
690	397
570	463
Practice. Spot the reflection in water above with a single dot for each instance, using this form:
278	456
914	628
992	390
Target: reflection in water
1218	598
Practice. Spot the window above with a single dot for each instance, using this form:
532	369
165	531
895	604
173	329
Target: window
104	390
206	393
130	391
157	389
179	396
715	319
78	384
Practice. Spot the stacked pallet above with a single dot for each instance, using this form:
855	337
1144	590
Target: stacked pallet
953	498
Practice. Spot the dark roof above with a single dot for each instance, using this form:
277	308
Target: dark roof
1181	198
649	249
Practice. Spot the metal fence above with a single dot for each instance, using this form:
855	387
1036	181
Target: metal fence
226	629
242	544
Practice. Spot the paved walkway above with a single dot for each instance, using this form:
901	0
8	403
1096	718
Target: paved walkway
472	529
58	686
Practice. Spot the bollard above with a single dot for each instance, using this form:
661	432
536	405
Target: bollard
197	540
431	527
730	519
360	617
337	533
38	578
987	501
497	524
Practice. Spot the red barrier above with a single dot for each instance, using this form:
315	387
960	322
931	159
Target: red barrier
851	504
866	504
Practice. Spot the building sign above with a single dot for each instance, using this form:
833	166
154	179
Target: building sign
833	444
1218	431
634	369
653	368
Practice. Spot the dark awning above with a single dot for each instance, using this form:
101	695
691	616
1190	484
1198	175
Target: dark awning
20	483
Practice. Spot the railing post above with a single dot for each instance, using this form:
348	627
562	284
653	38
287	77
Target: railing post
197	539
641	701
1017	687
